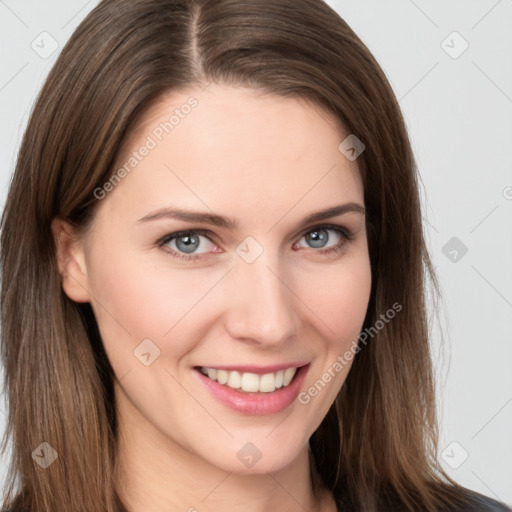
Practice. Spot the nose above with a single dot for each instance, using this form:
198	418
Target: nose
260	302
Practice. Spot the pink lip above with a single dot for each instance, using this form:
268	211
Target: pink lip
259	370
256	404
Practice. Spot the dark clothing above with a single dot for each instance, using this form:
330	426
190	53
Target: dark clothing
484	503
479	503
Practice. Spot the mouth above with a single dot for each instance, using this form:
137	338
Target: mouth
251	382
254	391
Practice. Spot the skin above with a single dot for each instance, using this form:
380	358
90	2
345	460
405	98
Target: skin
266	161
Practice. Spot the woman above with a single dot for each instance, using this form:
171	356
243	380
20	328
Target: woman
220	265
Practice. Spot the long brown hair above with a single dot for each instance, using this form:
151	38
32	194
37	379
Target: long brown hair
376	448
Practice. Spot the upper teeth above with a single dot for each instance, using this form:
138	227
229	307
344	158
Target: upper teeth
251	382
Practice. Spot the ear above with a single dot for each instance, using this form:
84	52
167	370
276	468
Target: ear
71	261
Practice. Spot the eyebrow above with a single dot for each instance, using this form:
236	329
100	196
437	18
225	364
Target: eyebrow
231	224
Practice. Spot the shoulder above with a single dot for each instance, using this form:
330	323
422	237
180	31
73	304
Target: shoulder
480	503
460	499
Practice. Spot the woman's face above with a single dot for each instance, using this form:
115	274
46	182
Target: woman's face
252	292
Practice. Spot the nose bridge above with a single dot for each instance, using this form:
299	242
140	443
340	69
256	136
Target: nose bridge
261	304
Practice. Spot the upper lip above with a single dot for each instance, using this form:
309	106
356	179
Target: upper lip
259	370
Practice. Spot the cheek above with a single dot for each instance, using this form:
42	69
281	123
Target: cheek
135	299
339	297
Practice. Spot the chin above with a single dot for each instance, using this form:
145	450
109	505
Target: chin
259	456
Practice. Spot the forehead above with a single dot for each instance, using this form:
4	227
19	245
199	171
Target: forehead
235	149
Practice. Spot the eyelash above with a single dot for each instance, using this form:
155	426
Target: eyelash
346	237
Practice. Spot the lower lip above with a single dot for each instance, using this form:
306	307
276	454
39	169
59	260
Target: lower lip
256	404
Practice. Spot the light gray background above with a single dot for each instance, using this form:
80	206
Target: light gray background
459	113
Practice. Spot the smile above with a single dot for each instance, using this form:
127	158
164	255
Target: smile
251	382
255	391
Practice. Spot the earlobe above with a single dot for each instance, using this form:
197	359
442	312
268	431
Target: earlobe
71	261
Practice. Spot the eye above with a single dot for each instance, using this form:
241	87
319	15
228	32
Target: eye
319	236
184	244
